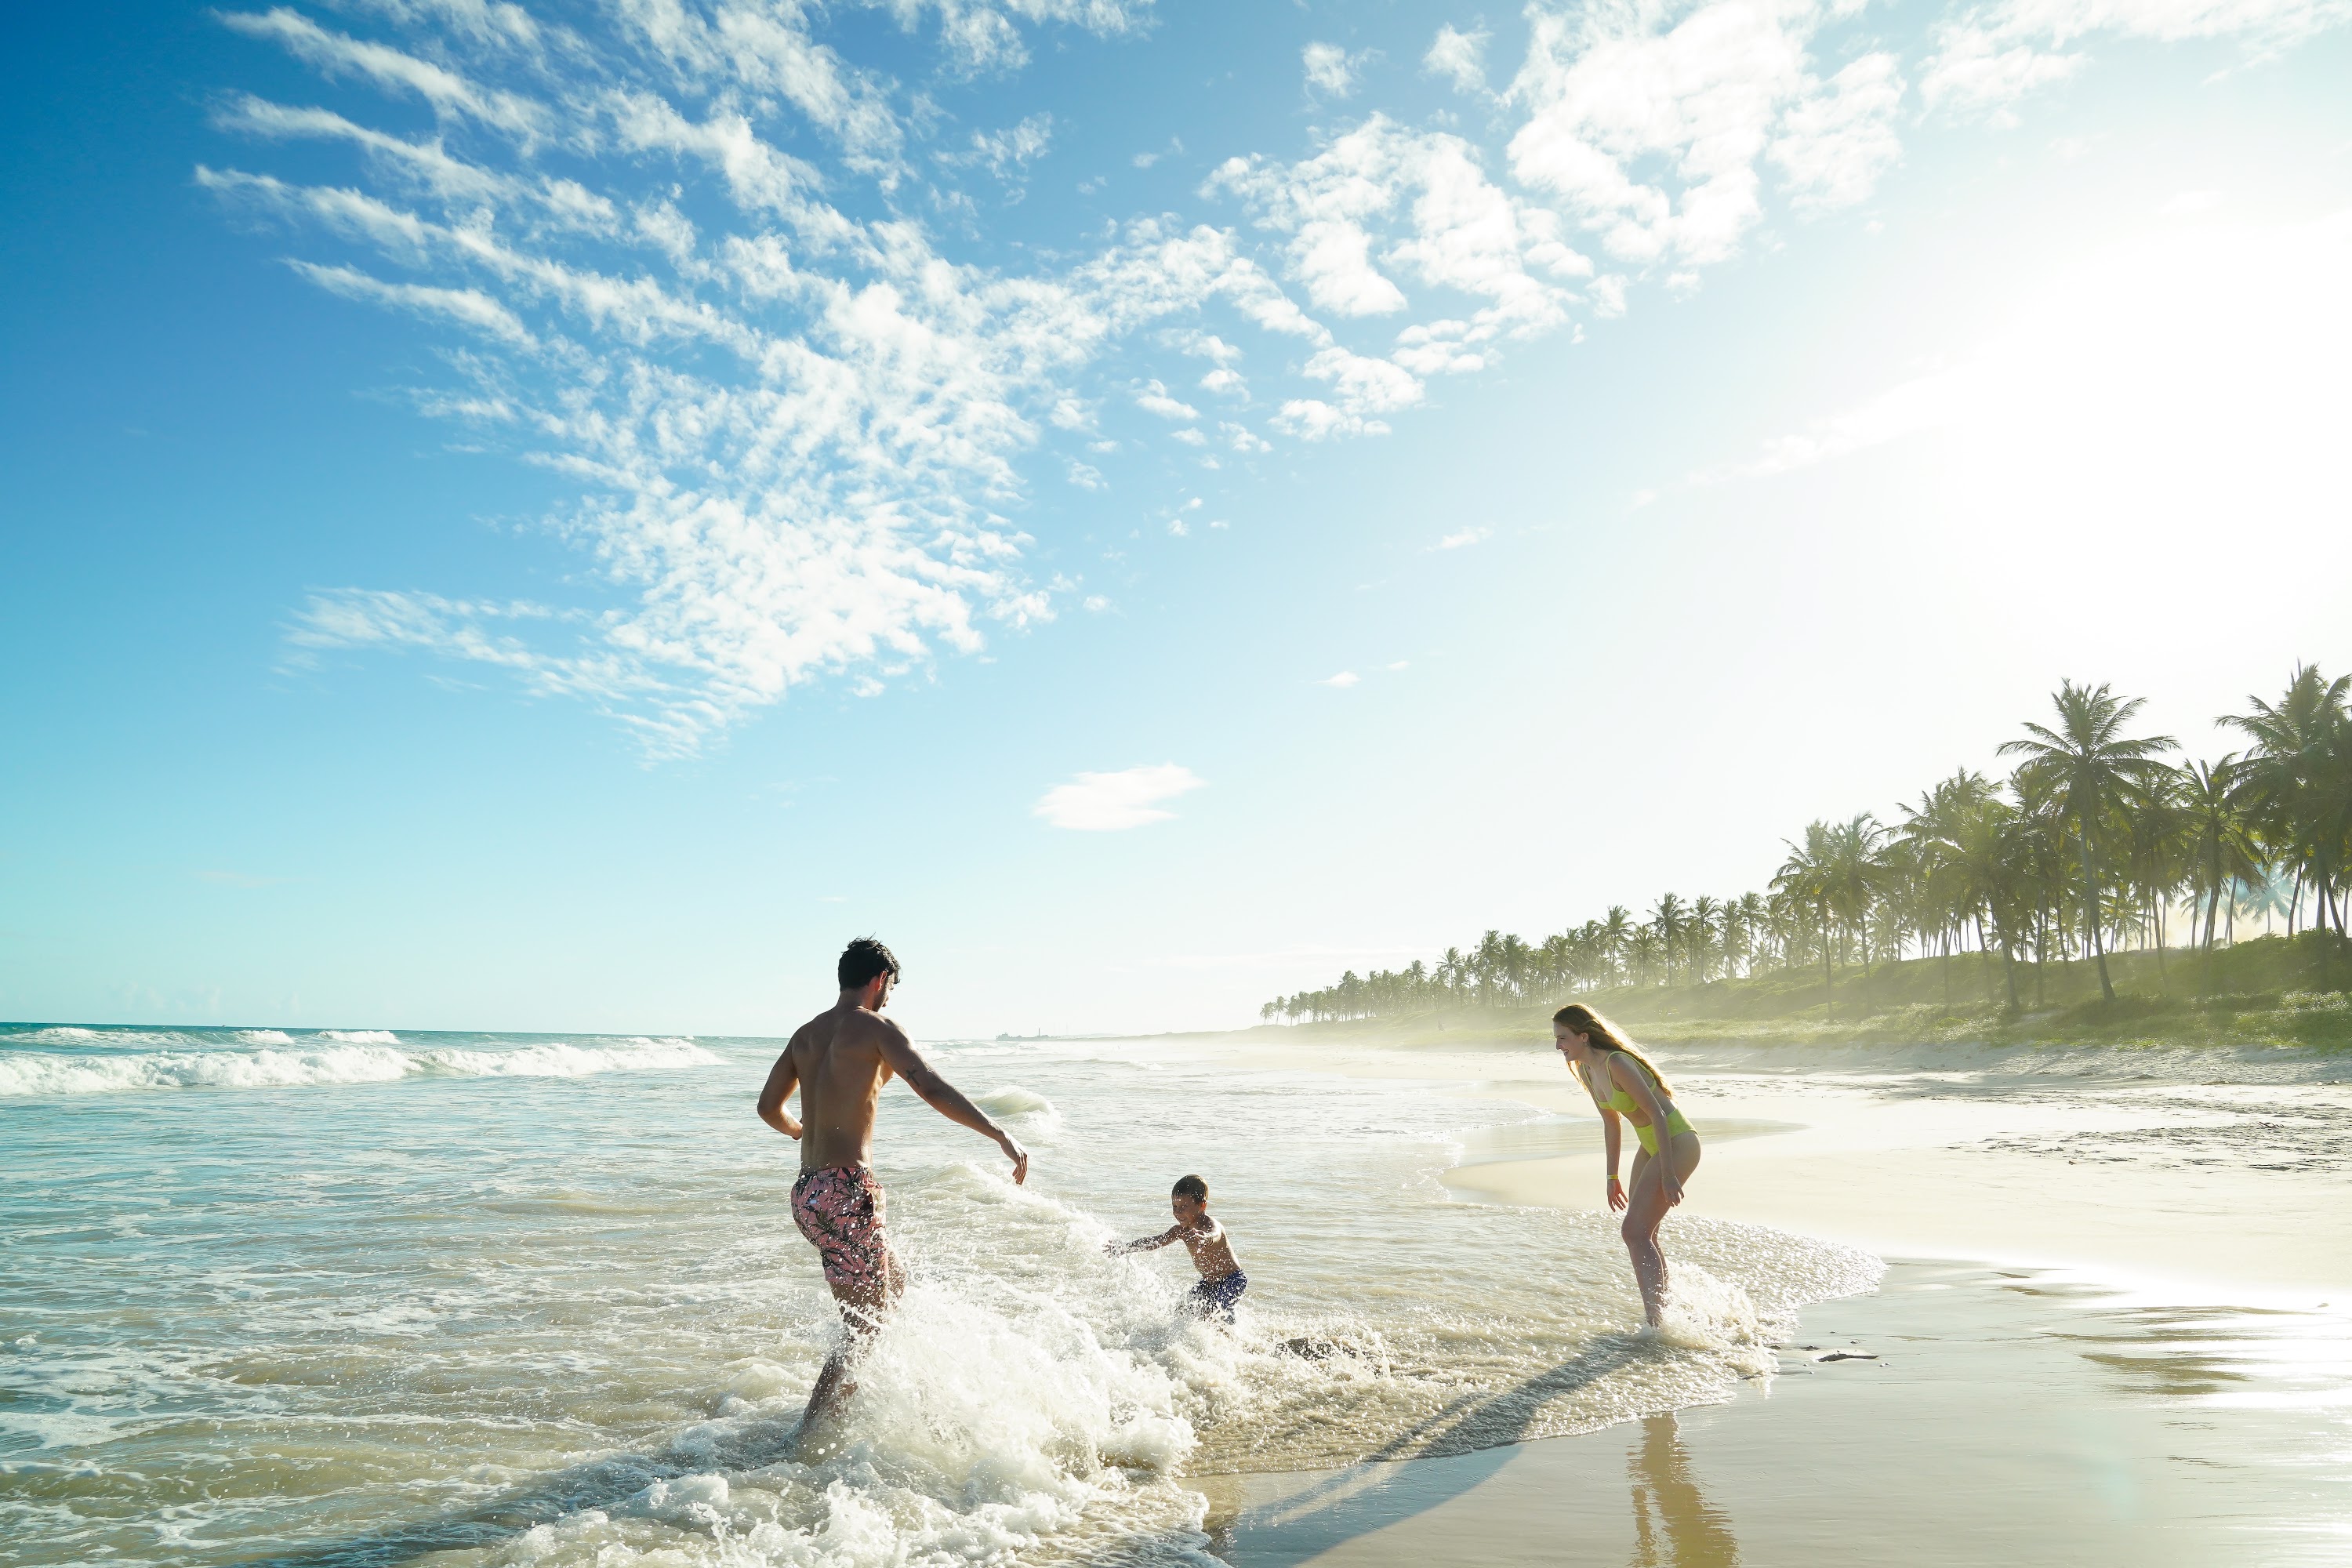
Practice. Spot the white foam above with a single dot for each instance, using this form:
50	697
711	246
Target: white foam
558	1059
265	1036
53	1073
362	1037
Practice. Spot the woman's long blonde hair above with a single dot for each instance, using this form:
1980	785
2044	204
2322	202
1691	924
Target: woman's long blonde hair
1580	1019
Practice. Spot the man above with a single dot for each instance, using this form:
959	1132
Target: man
839	1061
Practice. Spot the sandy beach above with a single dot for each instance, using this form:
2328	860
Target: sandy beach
2112	1329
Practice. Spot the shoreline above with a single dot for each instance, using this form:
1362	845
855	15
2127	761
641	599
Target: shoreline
2002	1415
2080	1356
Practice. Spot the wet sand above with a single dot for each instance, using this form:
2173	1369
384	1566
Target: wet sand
2114	1330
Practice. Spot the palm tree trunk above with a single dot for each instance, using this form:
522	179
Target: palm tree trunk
1984	960
1828	975
2091	908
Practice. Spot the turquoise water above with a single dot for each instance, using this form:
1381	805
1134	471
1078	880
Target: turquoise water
312	1298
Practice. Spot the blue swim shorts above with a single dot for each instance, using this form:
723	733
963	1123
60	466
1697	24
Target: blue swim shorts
1215	1297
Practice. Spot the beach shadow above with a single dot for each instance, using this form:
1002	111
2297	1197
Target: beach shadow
606	1484
1452	1451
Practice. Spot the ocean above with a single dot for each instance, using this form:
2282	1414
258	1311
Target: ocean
358	1297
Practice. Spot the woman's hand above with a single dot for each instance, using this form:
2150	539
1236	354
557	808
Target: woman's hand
1616	1195
1671	1187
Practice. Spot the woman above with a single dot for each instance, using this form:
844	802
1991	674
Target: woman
1623	1082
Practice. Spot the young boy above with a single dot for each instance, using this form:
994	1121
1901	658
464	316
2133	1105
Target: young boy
1222	1280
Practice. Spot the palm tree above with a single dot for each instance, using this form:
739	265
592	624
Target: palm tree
1806	877
2092	772
2224	848
2300	748
1642	949
1617	936
1931	838
1671	921
1705	926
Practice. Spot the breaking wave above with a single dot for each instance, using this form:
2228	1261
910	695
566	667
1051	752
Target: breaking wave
269	1065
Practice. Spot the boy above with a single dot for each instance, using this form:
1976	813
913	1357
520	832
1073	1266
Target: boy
1222	1280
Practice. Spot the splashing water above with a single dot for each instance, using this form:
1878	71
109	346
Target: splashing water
489	1308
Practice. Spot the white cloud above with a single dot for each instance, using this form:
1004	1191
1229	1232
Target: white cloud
1154	399
1840	137
1330	70
467	307
1381	199
1344	679
1974	69
1459	57
1649	122
1107	803
1365	385
824	494
1312	419
1465	538
336	54
1008	152
1990	56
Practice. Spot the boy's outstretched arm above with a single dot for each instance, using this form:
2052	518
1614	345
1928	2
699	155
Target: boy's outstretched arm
1144	1244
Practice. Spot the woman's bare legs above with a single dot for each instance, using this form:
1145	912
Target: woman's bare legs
1645	1210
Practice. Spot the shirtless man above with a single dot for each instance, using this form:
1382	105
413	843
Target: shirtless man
1222	1280
839	1061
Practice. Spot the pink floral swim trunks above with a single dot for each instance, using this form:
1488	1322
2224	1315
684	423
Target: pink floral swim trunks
840	1210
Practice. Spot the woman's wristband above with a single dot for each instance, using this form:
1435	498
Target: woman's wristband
1613	1181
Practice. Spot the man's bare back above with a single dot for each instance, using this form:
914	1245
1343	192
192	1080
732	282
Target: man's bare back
839	1061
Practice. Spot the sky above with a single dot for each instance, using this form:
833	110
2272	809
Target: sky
553	518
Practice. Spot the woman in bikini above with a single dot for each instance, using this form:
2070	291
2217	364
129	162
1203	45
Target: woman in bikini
1625	1083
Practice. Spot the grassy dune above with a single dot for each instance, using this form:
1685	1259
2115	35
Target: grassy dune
2269	992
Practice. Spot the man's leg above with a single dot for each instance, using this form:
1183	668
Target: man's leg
864	1298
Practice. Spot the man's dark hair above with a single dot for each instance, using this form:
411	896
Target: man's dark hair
861	961
1191	1187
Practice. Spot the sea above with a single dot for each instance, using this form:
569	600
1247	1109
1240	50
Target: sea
365	1297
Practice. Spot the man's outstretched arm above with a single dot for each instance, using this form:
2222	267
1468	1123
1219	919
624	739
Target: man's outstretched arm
781	1078
943	1097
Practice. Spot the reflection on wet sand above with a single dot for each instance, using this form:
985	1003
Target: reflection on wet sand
1674	1524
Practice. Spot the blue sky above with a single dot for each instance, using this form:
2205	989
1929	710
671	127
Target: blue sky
535	516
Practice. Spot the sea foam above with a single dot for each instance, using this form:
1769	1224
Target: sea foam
274	1066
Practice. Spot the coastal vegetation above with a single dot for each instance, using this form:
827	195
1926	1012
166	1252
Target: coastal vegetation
2105	877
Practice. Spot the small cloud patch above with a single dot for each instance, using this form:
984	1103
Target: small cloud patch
1108	802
